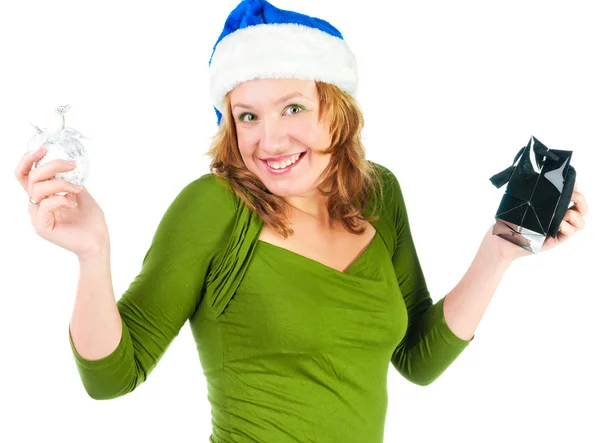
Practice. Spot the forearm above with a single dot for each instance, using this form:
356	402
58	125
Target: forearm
465	305
95	325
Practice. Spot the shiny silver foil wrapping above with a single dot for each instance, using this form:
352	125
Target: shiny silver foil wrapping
62	144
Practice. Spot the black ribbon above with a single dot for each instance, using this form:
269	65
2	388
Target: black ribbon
501	178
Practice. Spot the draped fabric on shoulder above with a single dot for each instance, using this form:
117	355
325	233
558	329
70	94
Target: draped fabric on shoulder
168	289
232	261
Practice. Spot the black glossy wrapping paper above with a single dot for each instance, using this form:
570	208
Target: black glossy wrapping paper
537	196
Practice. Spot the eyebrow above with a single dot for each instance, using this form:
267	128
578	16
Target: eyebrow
280	100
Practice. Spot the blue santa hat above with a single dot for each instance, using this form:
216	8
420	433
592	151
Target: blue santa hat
262	41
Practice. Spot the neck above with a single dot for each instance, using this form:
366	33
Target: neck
313	207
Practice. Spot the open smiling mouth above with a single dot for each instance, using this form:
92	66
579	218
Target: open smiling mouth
284	166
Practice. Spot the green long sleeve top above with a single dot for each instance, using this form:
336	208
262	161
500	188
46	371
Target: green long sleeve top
292	350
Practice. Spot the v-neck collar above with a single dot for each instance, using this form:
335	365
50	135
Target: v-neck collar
317	263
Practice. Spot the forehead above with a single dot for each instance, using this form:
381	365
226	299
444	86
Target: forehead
270	90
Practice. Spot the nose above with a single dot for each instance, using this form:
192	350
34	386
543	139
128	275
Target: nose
273	137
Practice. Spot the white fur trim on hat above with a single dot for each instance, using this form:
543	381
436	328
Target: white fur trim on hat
280	51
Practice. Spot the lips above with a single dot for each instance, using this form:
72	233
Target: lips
285	169
280	158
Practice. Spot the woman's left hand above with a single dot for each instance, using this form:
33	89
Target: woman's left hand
572	222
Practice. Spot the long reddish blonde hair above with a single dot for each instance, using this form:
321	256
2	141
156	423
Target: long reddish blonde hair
349	181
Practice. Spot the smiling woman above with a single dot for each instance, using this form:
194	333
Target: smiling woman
292	259
310	132
279	130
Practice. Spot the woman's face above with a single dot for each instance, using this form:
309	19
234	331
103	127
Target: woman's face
279	135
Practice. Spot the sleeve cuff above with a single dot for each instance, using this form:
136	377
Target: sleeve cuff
111	359
449	336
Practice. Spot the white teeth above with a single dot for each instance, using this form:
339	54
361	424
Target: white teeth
284	164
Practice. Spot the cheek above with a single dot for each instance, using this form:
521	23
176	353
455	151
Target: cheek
312	135
246	144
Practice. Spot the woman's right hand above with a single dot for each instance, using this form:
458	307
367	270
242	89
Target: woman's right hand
74	221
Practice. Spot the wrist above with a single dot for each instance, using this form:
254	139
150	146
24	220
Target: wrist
97	252
501	251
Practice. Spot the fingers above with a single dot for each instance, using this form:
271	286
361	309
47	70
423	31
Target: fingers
25	165
579	202
40	190
571	223
566	229
49	170
41	181
42	220
55	202
575	219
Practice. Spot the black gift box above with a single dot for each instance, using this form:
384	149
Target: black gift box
537	196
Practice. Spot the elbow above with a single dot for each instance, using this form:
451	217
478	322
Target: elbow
424	380
102	395
103	392
419	376
98	396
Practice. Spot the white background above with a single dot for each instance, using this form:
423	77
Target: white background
450	92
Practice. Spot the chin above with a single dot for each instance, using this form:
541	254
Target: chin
286	188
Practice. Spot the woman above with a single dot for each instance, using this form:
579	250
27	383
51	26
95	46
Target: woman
293	260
